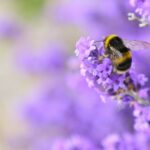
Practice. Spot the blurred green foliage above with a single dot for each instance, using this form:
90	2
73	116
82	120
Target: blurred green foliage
29	8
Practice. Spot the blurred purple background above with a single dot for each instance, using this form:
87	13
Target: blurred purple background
45	103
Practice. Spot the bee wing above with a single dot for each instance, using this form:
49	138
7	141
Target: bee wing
136	45
116	52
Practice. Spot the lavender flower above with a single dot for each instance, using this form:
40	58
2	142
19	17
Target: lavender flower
136	141
142	118
126	141
99	74
142	12
75	142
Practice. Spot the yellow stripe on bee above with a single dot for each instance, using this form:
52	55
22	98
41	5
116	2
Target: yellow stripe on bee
108	39
122	59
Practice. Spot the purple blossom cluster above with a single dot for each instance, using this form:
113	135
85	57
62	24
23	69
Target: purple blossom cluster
75	142
141	12
136	141
99	74
142	118
127	141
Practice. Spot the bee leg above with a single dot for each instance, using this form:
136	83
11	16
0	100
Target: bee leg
102	57
105	55
115	70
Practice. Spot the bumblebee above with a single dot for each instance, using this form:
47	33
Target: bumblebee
119	51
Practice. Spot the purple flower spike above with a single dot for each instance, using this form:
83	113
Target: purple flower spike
137	141
100	75
142	12
142	118
74	143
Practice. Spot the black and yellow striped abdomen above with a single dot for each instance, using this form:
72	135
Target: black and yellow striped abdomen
118	52
123	63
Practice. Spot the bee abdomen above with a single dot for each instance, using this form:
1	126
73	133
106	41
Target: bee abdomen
125	65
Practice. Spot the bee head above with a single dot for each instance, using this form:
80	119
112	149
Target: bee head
107	40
